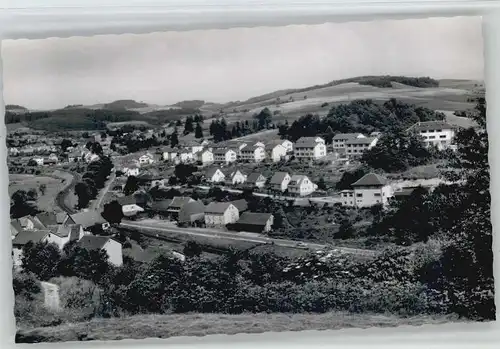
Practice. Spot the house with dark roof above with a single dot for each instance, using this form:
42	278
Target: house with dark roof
371	189
236	177
437	133
87	219
47	218
309	148
15	228
339	140
161	206
356	147
112	247
192	213
254	222
241	205
279	181
301	185
255	179
214	175
219	214
178	202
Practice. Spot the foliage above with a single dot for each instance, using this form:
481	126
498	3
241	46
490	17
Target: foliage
131	186
22	203
41	259
192	249
198	132
86	264
264	118
112	212
25	284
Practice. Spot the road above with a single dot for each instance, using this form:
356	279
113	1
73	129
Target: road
96	204
160	227
60	199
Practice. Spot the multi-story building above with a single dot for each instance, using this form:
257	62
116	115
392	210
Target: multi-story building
309	148
435	133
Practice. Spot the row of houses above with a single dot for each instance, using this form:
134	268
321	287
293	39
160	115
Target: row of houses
298	185
232	214
61	229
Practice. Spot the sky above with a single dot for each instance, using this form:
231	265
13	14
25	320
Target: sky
234	64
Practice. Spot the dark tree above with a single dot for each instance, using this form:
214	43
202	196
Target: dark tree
174	139
22	204
65	144
83	192
41	259
198	131
192	249
264	118
113	212
131	186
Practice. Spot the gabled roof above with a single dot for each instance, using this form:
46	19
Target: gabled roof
217	207
346	136
161	206
36	222
88	218
127	200
430	125
364	140
241	204
92	242
60	217
403	192
61	230
235	172
296	180
14	224
75	232
252	218
47	218
254	177
307	142
191	208
278	177
370	179
25	236
212	171
179	201
221	151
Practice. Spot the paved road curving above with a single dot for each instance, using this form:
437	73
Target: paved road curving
60	199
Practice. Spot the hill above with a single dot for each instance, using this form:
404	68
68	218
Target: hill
15	107
193	104
124	104
165	326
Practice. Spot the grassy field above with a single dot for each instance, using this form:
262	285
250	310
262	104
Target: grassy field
165	326
26	182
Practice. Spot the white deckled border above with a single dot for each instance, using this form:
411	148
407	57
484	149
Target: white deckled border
20	19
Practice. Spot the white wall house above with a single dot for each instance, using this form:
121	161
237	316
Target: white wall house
279	181
170	155
146	159
131	171
224	156
370	190
339	140
301	185
309	148
278	153
435	133
186	157
206	157
215	175
39	160
237	177
253	153
218	214
113	248
356	147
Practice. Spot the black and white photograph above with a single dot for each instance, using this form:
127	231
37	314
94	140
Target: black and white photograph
249	180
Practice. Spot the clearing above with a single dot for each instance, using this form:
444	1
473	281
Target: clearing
165	326
26	182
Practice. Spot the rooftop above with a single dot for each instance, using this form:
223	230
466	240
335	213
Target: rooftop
278	177
254	177
347	136
364	140
91	242
217	207
25	236
370	179
253	218
88	218
430	125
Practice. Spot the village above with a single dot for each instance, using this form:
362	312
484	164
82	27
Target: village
152	193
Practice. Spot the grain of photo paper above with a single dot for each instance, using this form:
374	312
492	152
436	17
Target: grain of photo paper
249	180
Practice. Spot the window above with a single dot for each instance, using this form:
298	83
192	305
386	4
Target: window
424	131
439	130
376	194
442	136
350	195
432	137
359	195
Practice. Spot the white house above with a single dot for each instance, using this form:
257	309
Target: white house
370	190
14	151
170	154
356	147
279	181
310	148
206	157
193	147
215	175
224	156
254	153
278	153
219	214
301	185
131	171
131	210
259	144
435	133
39	160
339	140
256	179
146	159
237	177
186	156
113	248
91	157
53	157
